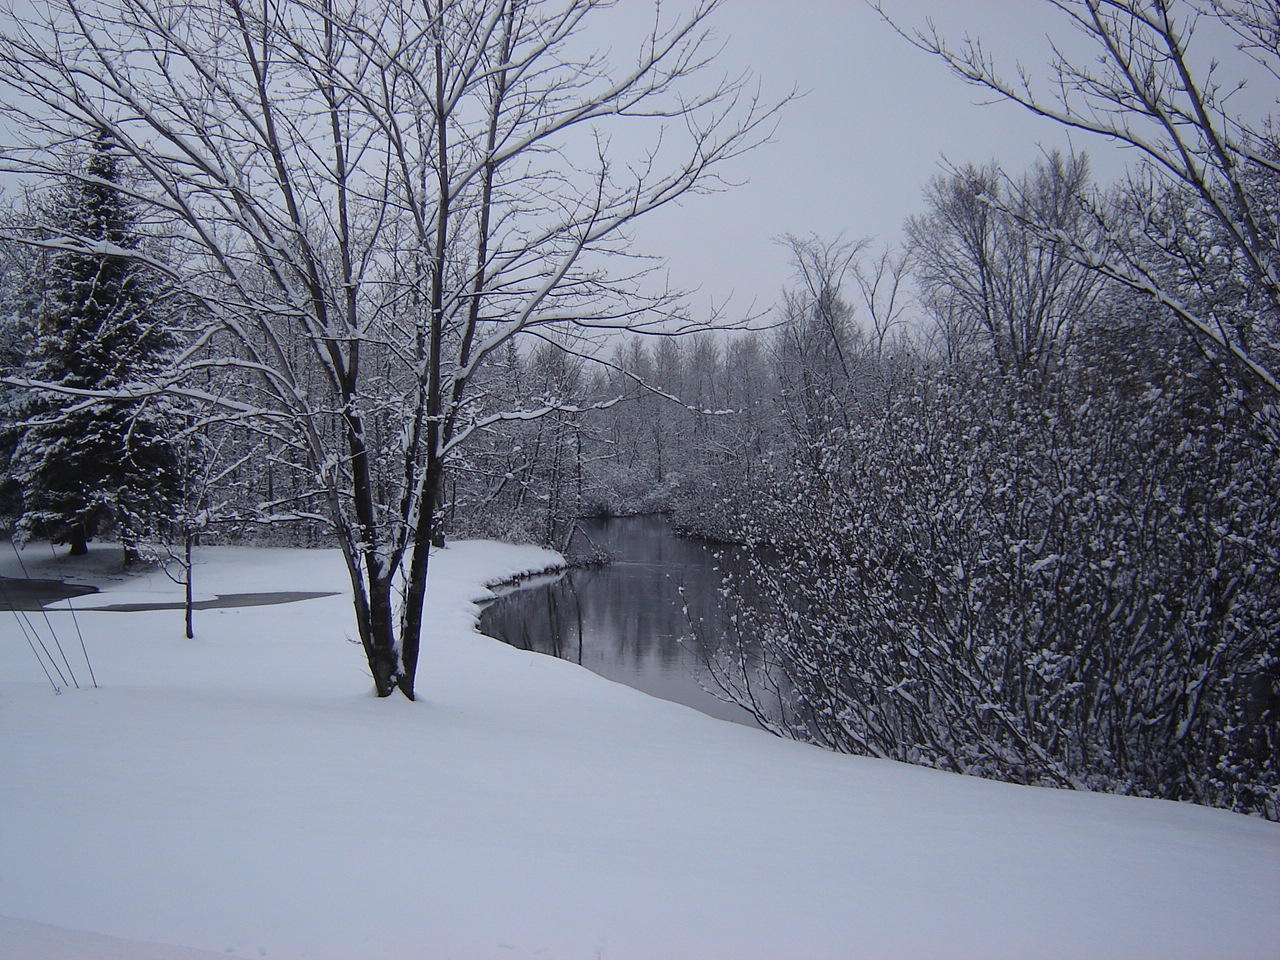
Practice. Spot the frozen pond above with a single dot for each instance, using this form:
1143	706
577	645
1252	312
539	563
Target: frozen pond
28	594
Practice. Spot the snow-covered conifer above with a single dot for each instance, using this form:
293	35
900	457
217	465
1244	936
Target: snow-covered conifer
90	452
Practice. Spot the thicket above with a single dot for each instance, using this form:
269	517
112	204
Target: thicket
1071	582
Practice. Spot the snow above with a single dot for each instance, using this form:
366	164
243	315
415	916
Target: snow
245	795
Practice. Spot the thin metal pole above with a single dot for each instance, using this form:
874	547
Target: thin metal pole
53	634
40	660
30	634
74	620
83	649
45	613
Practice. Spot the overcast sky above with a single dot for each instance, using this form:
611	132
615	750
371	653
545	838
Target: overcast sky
853	155
875	122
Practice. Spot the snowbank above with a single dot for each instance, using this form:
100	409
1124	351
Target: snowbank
244	794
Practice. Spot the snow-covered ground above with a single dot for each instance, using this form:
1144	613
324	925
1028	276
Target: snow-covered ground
243	794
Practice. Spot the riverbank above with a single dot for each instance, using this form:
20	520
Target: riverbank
244	795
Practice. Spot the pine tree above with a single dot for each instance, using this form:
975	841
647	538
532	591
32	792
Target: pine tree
16	260
85	461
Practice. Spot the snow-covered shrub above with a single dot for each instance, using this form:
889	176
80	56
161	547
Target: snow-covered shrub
1071	582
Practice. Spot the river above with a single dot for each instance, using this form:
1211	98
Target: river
627	620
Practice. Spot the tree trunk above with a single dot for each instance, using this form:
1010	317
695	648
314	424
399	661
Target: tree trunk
415	593
380	639
411	617
188	595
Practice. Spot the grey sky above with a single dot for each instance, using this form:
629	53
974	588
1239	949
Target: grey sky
876	121
853	155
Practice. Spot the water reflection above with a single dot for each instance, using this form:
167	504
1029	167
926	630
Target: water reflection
627	621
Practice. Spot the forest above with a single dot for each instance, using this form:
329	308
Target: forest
359	278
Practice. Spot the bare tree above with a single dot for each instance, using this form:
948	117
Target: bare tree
376	197
992	263
881	283
1147	87
818	346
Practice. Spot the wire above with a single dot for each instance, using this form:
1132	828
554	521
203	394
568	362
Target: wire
31	636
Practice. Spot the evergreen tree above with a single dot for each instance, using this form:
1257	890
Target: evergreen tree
16	317
87	460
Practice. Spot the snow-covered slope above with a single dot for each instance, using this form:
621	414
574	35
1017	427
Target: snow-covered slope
244	794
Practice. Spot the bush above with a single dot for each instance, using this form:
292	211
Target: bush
1072	582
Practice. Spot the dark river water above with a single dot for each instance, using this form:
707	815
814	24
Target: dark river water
627	620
